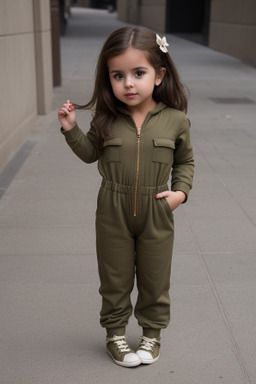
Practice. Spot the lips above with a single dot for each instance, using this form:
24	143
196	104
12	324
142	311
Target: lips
130	95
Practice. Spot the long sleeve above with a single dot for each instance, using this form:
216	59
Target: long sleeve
183	165
85	146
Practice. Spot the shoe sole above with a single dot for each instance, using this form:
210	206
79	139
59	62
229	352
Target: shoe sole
149	361
124	364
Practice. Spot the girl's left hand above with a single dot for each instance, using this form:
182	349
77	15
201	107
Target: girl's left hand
174	198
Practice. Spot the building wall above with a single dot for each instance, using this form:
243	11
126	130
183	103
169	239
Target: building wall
122	10
233	28
149	13
153	14
128	11
43	55
26	70
82	3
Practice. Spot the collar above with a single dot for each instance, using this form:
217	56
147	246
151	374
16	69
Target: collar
159	107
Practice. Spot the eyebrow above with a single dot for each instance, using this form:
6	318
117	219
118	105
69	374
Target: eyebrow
134	69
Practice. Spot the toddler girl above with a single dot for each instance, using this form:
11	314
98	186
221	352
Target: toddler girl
140	136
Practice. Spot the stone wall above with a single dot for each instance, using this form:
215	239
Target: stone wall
149	13
26	70
233	28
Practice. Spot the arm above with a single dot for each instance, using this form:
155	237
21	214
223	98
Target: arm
183	165
84	146
183	169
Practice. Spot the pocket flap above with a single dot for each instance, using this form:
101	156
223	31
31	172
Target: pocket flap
114	141
160	142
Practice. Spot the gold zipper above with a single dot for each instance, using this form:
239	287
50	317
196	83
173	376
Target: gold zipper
137	172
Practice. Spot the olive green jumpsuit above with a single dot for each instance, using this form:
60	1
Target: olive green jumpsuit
134	230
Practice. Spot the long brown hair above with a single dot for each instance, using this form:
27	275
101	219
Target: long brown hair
171	91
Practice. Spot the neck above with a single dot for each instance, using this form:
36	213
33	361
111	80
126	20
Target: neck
142	110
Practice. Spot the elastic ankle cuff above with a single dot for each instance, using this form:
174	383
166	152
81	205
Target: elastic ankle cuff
115	332
151	333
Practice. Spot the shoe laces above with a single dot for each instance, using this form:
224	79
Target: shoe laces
121	343
148	344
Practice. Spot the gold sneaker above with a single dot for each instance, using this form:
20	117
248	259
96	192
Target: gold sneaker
121	353
149	350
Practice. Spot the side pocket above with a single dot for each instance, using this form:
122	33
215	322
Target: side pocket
167	207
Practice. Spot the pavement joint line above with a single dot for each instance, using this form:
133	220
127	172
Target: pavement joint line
228	190
236	200
14	165
224	316
238	355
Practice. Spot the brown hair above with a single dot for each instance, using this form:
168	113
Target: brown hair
171	91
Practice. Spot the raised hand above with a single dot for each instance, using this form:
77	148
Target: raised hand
67	116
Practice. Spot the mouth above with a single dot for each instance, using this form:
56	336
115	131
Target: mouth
130	95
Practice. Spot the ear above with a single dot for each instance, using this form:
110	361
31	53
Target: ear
159	76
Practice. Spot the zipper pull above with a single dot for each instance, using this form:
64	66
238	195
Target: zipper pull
138	132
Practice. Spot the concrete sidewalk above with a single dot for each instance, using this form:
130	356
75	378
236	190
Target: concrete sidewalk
49	318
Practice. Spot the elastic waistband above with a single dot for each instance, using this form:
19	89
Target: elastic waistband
127	189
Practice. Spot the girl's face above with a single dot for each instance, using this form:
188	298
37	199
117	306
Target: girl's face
133	79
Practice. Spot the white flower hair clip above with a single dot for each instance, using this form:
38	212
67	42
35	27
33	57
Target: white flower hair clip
162	42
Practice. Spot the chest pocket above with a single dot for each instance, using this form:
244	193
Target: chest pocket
112	149
163	150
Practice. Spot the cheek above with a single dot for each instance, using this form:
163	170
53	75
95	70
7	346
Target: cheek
111	82
115	87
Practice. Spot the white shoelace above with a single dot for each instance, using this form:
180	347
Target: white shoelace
121	343
148	344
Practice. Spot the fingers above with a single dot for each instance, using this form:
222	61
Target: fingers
67	116
162	194
70	105
63	111
66	109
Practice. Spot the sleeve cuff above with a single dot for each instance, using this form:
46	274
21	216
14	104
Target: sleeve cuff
182	187
71	134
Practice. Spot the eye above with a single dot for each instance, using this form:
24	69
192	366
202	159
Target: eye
139	74
118	76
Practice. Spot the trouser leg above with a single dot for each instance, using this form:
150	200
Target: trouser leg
153	230
116	259
153	266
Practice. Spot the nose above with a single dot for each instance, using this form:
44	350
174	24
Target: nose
128	82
